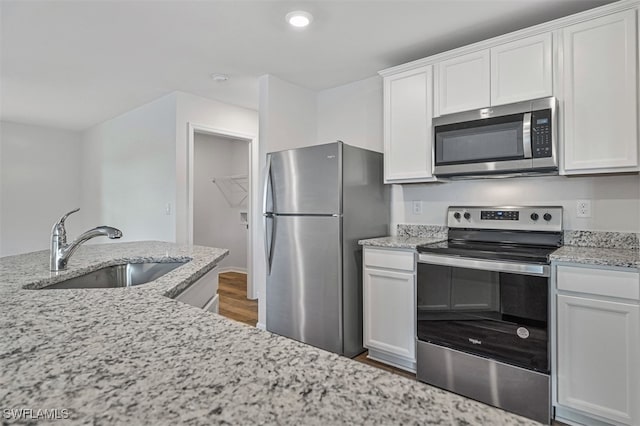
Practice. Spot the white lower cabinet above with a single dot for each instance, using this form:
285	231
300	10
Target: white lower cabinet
202	293
389	306
598	346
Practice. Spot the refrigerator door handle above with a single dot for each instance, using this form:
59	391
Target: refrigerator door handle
268	242
267	181
267	216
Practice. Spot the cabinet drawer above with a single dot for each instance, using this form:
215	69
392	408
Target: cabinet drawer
213	304
602	282
202	291
391	259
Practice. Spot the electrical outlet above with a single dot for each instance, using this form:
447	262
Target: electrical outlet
417	207
583	208
167	209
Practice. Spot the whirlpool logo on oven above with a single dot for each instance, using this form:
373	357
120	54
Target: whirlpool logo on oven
475	341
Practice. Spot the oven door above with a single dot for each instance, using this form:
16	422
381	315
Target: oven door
497	310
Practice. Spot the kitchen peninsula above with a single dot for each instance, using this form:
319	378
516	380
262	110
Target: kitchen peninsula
132	355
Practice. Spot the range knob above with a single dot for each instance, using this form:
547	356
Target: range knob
467	215
534	216
547	217
457	215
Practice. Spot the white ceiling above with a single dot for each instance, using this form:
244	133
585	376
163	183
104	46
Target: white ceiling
73	64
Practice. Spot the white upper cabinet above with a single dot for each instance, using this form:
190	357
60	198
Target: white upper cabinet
517	71
600	81
522	70
408	109
463	83
588	61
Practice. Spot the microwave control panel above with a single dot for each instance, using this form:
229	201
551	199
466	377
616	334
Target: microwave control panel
541	134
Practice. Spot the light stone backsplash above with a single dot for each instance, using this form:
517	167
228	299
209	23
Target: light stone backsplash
423	231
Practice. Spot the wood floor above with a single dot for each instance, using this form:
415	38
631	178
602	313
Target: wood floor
363	358
232	288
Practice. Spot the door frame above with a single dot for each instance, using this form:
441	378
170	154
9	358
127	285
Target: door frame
253	159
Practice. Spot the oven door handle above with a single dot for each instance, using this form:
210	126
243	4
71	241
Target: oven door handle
487	265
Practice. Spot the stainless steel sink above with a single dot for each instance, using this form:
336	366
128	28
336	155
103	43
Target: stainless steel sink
127	275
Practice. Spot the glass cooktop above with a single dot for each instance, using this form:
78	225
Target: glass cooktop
490	251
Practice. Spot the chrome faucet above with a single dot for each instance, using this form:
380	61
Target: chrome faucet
61	251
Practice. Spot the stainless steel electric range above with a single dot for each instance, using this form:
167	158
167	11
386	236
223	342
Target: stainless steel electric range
483	307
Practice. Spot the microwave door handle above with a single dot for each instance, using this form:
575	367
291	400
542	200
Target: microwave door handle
526	135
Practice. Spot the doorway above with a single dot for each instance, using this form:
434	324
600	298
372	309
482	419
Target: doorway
219	210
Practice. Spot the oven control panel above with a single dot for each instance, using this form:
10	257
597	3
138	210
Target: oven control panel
499	215
527	218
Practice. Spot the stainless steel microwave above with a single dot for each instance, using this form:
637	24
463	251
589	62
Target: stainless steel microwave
506	140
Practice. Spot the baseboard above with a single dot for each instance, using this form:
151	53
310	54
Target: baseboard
261	326
392	360
575	418
235	269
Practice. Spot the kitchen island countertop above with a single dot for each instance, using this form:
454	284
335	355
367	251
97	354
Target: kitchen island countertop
135	356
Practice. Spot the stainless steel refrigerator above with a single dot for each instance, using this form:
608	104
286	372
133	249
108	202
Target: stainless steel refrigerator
319	201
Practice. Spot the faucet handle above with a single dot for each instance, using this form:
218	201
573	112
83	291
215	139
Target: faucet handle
58	227
63	218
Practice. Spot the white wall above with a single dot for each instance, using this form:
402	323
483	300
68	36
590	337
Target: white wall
135	165
352	113
615	199
39	182
288	119
129	172
216	222
288	115
212	114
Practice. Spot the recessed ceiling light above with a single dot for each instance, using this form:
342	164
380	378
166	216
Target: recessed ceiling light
219	77
299	18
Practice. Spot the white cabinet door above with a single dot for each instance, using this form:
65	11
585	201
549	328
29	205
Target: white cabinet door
522	70
408	109
389	312
598	357
202	292
463	83
600	83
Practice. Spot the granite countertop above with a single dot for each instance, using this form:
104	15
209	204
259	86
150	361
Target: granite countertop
617	257
404	242
122	356
409	237
618	249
